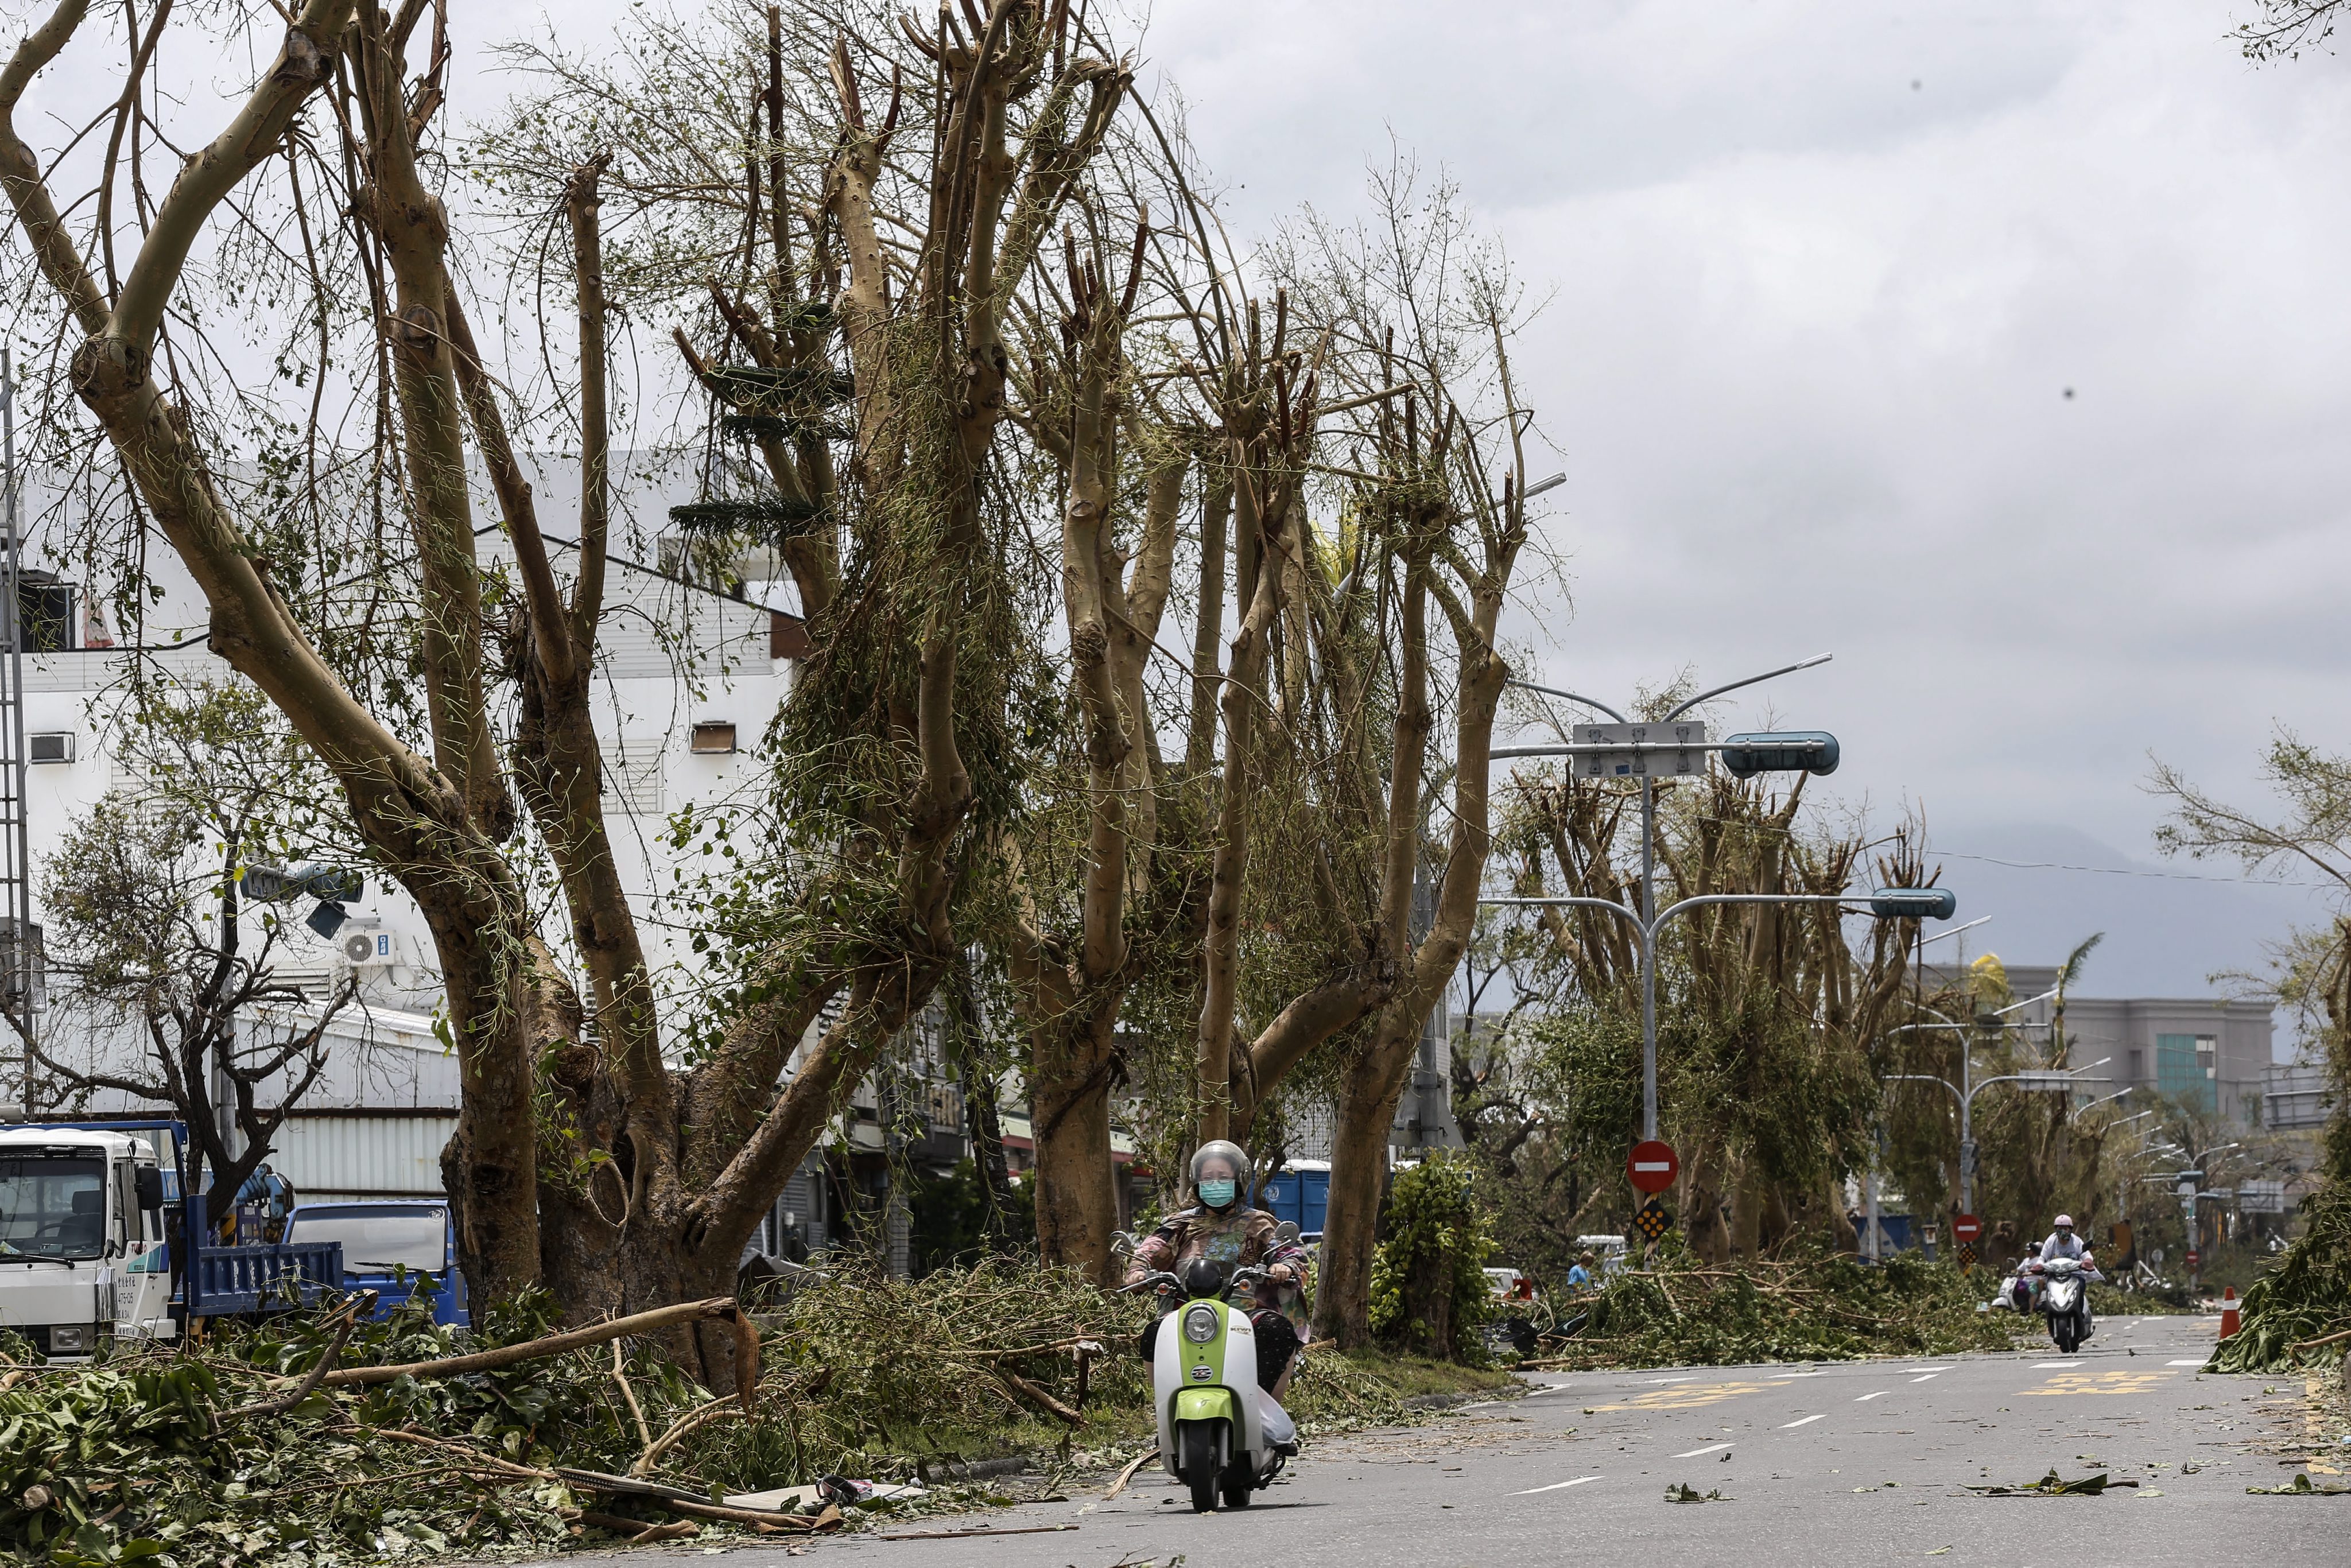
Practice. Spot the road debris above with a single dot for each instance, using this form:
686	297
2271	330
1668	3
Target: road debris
2298	1313
2300	1486
320	1439
2053	1485
1682	1491
1820	1306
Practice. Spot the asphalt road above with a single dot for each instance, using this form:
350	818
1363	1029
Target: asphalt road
1842	1463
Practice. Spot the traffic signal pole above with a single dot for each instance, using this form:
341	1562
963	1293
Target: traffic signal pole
1744	755
2054	1081
1645	932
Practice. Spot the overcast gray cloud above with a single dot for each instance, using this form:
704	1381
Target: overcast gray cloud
1821	275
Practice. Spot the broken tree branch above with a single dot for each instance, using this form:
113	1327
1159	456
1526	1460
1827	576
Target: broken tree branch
552	1344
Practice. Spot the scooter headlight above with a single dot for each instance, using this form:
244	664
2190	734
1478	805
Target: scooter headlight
1200	1325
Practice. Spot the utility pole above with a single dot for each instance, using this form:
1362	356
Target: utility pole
19	945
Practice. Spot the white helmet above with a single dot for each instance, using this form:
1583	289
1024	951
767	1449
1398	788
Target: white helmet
2065	1222
1219	1149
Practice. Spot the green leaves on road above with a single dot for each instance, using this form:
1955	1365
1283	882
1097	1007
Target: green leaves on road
1681	1491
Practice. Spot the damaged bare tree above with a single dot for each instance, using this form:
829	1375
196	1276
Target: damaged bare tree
654	1175
157	933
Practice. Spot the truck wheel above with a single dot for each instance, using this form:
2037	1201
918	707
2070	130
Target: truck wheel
1197	1446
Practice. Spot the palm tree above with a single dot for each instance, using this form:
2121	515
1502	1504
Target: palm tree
2067	973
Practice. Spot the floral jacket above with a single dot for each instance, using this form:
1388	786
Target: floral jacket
1237	1238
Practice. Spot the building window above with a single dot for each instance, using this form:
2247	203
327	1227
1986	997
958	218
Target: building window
2188	1068
633	782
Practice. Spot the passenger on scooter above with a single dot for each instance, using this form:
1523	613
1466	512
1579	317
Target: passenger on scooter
2028	1282
1231	1235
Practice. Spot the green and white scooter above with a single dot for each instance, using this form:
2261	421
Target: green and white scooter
1214	1418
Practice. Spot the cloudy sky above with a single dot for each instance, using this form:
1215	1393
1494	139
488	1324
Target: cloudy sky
1997	347
1822	277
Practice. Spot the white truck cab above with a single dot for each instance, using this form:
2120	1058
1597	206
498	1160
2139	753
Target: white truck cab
82	1246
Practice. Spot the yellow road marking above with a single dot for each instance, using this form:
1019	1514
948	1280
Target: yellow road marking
1691	1398
2101	1383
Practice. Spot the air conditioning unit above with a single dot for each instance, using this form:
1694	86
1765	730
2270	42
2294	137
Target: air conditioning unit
56	746
368	945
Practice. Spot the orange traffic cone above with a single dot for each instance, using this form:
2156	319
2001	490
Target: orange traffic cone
2228	1321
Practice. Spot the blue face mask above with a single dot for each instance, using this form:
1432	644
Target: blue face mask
1216	1193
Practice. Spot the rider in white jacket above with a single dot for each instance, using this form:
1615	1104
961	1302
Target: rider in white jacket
2063	1243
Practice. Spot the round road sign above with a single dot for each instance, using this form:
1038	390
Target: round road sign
1652	1166
1966	1228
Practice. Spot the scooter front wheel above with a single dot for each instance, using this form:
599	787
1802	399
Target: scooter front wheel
1196	1463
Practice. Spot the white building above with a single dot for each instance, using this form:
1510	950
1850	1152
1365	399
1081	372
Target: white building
689	679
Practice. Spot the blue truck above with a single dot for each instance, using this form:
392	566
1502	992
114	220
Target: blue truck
396	1248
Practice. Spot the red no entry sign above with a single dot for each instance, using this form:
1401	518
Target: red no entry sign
1652	1166
1966	1228
2192	1259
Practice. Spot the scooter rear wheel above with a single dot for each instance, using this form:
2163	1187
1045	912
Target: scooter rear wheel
1237	1488
1197	1448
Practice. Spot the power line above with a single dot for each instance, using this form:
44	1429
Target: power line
2118	871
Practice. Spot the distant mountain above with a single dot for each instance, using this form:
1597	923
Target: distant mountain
2047	887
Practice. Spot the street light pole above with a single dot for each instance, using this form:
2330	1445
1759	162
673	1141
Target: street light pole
2049	1081
1645	929
1647	919
1648	958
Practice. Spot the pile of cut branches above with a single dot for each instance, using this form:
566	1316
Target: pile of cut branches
1818	1307
2299	1312
309	1441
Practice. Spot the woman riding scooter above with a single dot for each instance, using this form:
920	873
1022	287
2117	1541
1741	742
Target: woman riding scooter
1231	1235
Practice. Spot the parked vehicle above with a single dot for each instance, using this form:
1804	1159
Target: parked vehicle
82	1247
1522	1317
2066	1301
1612	1251
97	1241
1220	1432
396	1248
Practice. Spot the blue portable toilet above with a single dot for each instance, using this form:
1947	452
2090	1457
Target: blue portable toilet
1298	1192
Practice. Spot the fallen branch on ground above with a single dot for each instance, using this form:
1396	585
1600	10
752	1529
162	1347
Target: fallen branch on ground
361	1306
1036	1396
551	1344
1127	1474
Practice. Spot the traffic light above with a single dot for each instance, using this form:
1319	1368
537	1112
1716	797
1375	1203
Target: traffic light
1794	751
1914	904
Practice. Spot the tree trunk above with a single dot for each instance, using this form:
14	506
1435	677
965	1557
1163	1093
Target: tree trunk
1076	1177
1359	1158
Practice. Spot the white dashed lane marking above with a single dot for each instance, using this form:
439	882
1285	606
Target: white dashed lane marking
1555	1486
1929	1378
1709	1449
1804	1421
1879	1394
2192	1361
